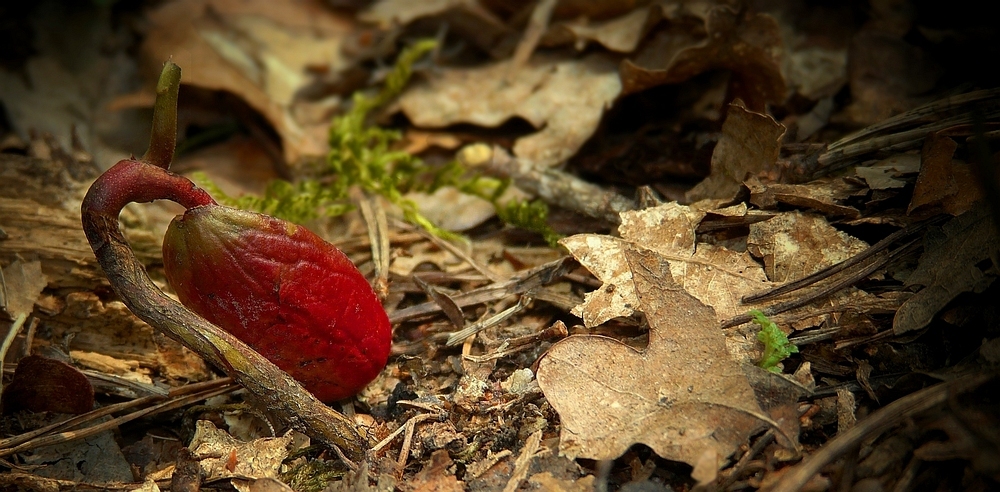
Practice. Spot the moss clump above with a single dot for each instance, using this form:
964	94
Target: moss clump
365	156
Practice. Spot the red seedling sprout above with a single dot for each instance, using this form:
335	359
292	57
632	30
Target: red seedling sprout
147	179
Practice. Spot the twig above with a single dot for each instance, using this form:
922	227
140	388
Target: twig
876	423
519	284
515	345
877	263
378	236
15	328
936	116
73	435
523	461
108	410
744	460
460	335
560	188
448	306
843	265
537	26
462	255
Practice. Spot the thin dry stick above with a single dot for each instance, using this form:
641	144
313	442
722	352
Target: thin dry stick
15	328
830	289
404	450
462	255
537	26
559	187
460	335
843	265
876	423
108	410
518	284
935	116
113	423
924	114
451	310
378	235
523	462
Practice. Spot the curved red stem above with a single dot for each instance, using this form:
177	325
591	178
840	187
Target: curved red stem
136	181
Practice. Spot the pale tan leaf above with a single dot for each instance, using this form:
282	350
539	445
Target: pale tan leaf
222	456
565	98
794	245
948	267
683	396
715	275
604	257
257	50
23	283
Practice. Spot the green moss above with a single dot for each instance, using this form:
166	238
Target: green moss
776	344
360	155
365	156
532	216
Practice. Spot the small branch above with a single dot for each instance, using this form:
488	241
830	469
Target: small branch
556	187
524	282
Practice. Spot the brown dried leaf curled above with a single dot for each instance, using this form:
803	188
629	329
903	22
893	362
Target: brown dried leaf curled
949	266
41	384
749	45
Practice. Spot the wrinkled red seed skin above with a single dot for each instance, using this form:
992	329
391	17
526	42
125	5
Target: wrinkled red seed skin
293	297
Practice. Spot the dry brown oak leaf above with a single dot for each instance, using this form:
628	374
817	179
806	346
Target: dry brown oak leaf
684	396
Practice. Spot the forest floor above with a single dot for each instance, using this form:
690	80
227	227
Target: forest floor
636	246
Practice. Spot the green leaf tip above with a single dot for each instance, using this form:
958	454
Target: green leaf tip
776	345
163	137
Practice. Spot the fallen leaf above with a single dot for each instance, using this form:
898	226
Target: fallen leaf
259	51
815	71
546	481
949	266
717	276
72	74
621	34
683	396
23	283
944	181
887	76
436	476
95	459
215	450
565	98
269	485
749	144
887	173
41	384
794	245
823	195
469	21
712	37
441	206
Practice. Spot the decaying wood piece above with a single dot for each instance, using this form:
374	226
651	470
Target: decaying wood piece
40	220
40	216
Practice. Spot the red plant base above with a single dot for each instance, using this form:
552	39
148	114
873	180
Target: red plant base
283	290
